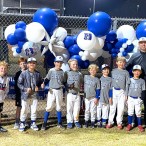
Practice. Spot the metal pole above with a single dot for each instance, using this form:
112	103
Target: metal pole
1	6
20	6
93	6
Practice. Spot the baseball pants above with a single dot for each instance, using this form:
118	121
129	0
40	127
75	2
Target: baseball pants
102	111
55	97
90	109
73	107
134	104
119	104
29	104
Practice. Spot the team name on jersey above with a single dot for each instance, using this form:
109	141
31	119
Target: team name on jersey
118	77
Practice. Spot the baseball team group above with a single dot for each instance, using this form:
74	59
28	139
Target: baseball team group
105	97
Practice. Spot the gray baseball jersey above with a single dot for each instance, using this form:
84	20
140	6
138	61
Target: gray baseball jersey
91	84
106	86
136	87
56	78
76	78
120	79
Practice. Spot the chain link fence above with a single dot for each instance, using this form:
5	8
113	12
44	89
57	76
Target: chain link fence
73	26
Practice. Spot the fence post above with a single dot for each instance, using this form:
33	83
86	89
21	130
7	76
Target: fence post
115	21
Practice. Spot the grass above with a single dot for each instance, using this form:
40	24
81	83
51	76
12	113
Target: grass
72	137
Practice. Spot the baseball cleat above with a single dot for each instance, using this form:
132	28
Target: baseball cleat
120	127
92	125
108	126
16	126
44	126
3	129
69	125
129	127
60	126
78	125
22	127
34	126
86	124
141	129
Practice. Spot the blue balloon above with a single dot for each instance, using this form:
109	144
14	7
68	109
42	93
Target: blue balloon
75	39
20	34
47	17
85	64
124	53
74	50
18	50
129	48
114	55
11	39
113	50
111	36
68	41
141	30
99	24
21	43
20	24
120	42
78	58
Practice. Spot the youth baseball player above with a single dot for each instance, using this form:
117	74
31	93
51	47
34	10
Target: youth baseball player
137	85
92	92
120	83
29	81
55	94
74	80
105	97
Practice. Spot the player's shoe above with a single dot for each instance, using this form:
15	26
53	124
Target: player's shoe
92	125
86	124
141	129
120	127
44	126
69	125
99	125
34	126
108	126
22	127
78	125
103	124
3	129
16	126
129	127
60	126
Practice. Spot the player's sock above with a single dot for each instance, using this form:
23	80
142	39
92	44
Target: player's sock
139	121
46	116
59	115
104	120
130	118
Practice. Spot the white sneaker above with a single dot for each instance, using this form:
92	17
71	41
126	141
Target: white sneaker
34	126
16	126
22	127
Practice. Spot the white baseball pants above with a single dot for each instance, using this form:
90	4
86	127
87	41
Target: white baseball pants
90	109
29	104
134	104
55	97
118	103
73	107
102	111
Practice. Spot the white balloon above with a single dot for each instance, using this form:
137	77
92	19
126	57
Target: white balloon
129	42
81	53
15	54
86	53
122	49
35	32
136	49
120	54
65	67
30	49
124	45
135	43
14	48
86	40
106	54
10	29
84	58
126	31
60	33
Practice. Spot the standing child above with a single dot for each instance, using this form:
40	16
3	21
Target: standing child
4	87
74	80
120	84
92	92
136	87
55	94
29	81
22	62
105	97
